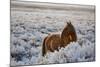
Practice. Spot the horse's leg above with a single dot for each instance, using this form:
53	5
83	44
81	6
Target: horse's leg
57	49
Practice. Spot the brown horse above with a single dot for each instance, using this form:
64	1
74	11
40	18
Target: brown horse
55	41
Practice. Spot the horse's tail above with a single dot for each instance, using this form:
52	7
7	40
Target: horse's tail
43	47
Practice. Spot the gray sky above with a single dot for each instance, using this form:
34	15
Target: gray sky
87	2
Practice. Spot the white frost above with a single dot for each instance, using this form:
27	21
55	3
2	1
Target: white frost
28	29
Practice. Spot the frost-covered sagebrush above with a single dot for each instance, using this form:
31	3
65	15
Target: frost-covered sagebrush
28	29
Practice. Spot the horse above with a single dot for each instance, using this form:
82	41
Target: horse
54	42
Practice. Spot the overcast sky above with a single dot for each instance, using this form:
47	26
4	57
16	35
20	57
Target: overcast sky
87	2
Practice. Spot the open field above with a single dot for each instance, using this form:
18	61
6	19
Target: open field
32	22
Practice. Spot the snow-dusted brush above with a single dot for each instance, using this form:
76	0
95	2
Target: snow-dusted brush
55	41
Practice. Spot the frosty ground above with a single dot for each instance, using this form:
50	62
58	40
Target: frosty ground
30	26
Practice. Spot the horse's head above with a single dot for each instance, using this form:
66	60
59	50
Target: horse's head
68	26
68	33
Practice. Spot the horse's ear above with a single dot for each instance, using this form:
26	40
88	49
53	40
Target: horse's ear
69	22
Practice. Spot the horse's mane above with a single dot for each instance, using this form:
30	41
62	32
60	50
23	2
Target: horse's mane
67	31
